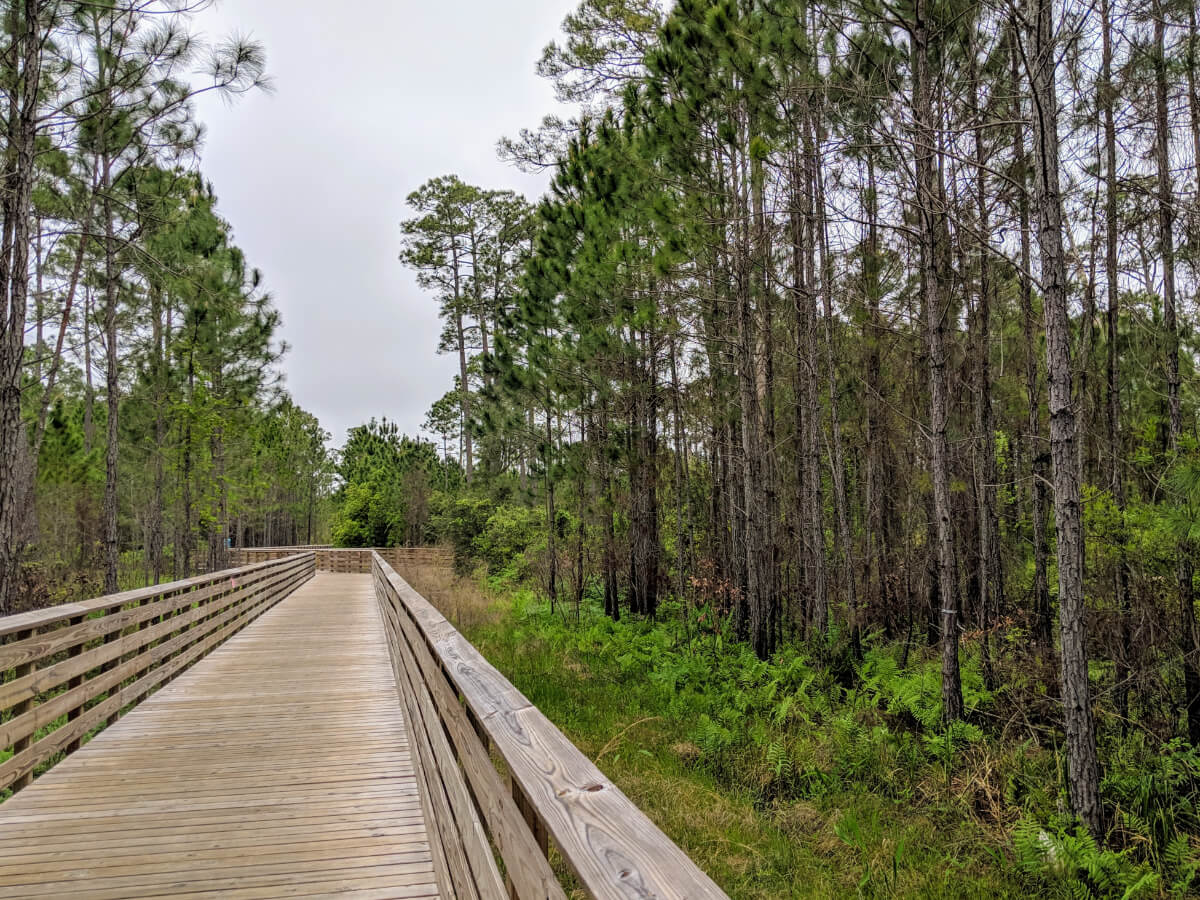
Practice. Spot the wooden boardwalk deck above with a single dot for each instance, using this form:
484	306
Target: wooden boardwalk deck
278	766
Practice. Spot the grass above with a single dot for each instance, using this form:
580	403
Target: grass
926	838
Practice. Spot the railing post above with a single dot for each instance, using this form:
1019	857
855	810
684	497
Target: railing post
73	683
20	708
536	827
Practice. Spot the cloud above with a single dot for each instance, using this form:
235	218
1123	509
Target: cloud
367	105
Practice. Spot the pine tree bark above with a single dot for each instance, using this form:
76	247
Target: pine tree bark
934	299
989	573
157	539
65	319
465	382
1112	328
22	73
810	512
112	387
1166	242
1082	763
1042	614
837	461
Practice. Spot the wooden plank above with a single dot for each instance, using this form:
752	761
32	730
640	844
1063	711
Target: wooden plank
524	855
440	765
79	663
36	647
13	770
51	676
41	618
614	849
448	860
21	710
278	765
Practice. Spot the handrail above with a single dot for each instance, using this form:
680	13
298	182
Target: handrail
459	708
69	669
352	560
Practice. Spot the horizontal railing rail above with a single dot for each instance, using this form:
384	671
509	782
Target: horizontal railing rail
70	669
352	560
460	709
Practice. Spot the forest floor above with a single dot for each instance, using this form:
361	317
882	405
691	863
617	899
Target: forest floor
757	834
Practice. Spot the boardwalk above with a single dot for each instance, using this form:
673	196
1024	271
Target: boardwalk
278	766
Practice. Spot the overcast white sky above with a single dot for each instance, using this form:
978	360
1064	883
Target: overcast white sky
372	98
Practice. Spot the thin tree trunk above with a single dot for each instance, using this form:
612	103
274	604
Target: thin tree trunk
837	461
65	321
811	507
1112	322
990	577
157	539
935	263
1082	763
112	381
1042	615
22	70
465	385
89	390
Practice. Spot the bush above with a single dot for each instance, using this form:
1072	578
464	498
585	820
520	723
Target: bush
498	535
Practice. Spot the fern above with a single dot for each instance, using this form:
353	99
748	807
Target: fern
779	761
1079	864
711	737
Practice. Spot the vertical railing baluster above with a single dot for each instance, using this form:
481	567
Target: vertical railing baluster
20	708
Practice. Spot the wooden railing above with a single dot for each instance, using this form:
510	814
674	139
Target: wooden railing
460	709
71	669
354	560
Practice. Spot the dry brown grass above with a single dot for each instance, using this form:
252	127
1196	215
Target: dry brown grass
459	598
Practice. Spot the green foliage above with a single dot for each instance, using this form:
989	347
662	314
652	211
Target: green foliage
915	694
508	532
499	535
784	731
1073	859
388	480
831	789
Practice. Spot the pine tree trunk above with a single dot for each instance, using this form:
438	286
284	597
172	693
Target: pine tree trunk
877	499
682	502
1191	62
837	462
1042	615
935	265
65	319
1112	322
89	390
990	576
810	511
155	525
111	381
21	69
551	513
465	385
1166	242
1082	764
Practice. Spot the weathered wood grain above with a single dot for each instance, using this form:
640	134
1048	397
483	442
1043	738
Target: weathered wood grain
525	860
146	637
455	808
278	765
40	618
614	849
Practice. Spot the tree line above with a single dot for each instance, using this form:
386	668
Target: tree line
856	320
143	424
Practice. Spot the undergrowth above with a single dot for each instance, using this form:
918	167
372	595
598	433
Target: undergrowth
820	777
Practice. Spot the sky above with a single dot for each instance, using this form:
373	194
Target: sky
371	99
